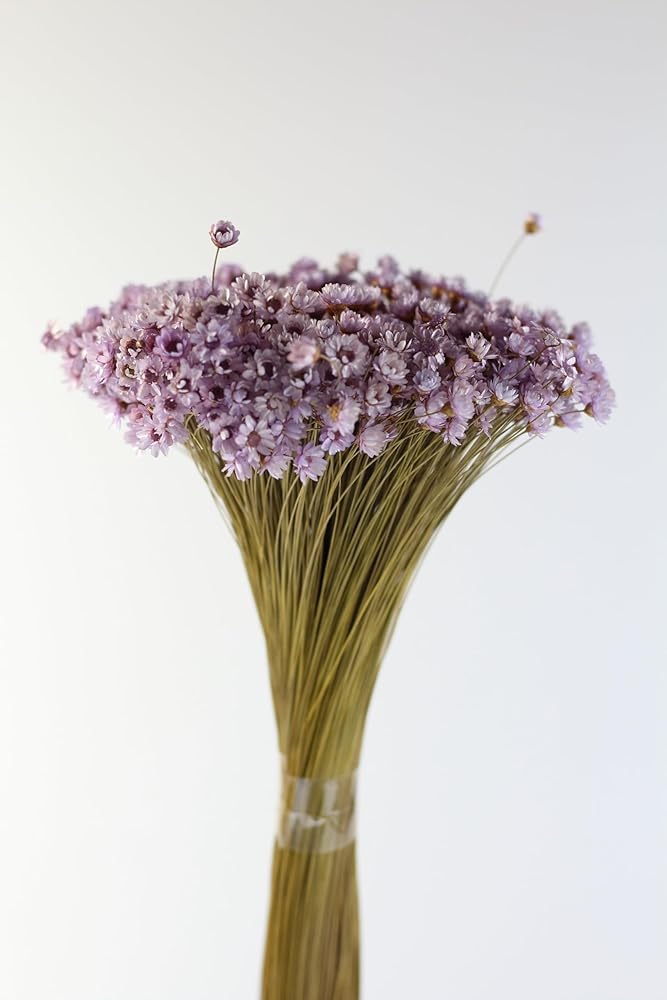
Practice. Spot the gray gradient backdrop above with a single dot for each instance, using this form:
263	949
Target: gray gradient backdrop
513	811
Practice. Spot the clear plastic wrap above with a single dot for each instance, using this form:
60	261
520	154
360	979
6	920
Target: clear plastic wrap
317	815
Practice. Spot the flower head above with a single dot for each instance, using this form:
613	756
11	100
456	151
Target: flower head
282	372
309	462
533	224
303	353
224	234
373	440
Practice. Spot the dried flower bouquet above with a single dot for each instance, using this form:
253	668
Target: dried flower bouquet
337	416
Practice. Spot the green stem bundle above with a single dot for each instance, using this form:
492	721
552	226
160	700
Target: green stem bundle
329	564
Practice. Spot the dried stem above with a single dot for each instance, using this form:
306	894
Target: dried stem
329	564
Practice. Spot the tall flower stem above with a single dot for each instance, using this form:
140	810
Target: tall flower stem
532	225
505	262
215	264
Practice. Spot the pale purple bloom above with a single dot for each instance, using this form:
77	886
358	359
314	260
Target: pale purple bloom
461	399
341	415
504	395
254	439
262	365
480	348
277	462
309	462
339	420
602	403
224	234
432	413
433	310
347	264
520	344
581	333
172	342
377	397
350	321
397	336
182	382
392	367
540	423
589	364
564	361
303	353
239	467
346	354
454	431
102	359
373	440
464	365
306	300
388	269
50	338
486	419
537	398
565	414
427	380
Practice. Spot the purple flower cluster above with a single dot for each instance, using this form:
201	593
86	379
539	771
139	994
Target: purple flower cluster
284	370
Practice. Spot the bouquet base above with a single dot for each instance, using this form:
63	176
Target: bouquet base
312	946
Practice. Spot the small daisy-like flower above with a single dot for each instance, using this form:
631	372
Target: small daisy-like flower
303	353
454	431
50	338
341	415
427	380
373	440
309	462
102	360
347	263
346	354
503	394
537	398
480	347
255	439
172	342
602	403
433	412
224	234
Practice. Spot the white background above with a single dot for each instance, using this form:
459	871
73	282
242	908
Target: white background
513	811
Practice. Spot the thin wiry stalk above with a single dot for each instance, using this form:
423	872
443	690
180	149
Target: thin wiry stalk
329	563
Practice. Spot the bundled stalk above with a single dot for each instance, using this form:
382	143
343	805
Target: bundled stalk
388	395
329	563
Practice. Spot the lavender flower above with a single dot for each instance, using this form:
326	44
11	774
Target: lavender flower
224	234
373	440
284	371
303	353
172	342
309	462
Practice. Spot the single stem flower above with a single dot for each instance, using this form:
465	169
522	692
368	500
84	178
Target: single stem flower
223	234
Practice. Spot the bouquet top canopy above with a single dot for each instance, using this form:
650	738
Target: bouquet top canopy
283	370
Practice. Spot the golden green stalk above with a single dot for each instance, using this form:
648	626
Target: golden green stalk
329	563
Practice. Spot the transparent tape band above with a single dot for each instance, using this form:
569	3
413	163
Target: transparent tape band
317	815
